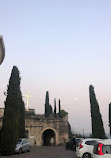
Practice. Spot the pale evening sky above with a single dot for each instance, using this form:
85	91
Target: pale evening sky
60	46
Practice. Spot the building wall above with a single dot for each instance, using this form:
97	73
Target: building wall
36	125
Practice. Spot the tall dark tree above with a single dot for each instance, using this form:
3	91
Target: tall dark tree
54	107
12	114
110	118
60	115
48	108
97	123
47	104
59	106
21	118
69	131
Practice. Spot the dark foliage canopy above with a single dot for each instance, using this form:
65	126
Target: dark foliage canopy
69	131
60	109
110	118
97	123
14	120
59	106
54	107
48	108
63	113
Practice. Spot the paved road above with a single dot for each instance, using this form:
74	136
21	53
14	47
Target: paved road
45	152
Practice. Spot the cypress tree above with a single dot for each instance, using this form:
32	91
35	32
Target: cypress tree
97	123
59	106
11	127
54	107
46	104
48	108
60	109
69	131
110	118
21	119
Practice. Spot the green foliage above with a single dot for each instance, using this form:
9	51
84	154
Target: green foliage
97	123
21	119
63	113
13	115
69	131
48	108
54	107
59	108
77	135
47	105
110	118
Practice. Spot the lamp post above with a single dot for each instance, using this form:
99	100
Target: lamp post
2	50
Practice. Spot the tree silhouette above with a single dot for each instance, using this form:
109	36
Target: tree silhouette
14	119
96	118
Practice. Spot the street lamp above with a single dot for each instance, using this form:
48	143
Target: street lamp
2	50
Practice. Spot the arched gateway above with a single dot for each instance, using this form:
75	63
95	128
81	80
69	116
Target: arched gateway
41	129
46	136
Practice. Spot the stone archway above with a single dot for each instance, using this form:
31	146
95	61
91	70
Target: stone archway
46	135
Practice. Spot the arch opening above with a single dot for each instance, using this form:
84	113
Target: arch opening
47	136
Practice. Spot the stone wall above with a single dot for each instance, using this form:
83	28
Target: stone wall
36	125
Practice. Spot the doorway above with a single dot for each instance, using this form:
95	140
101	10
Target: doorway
46	137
